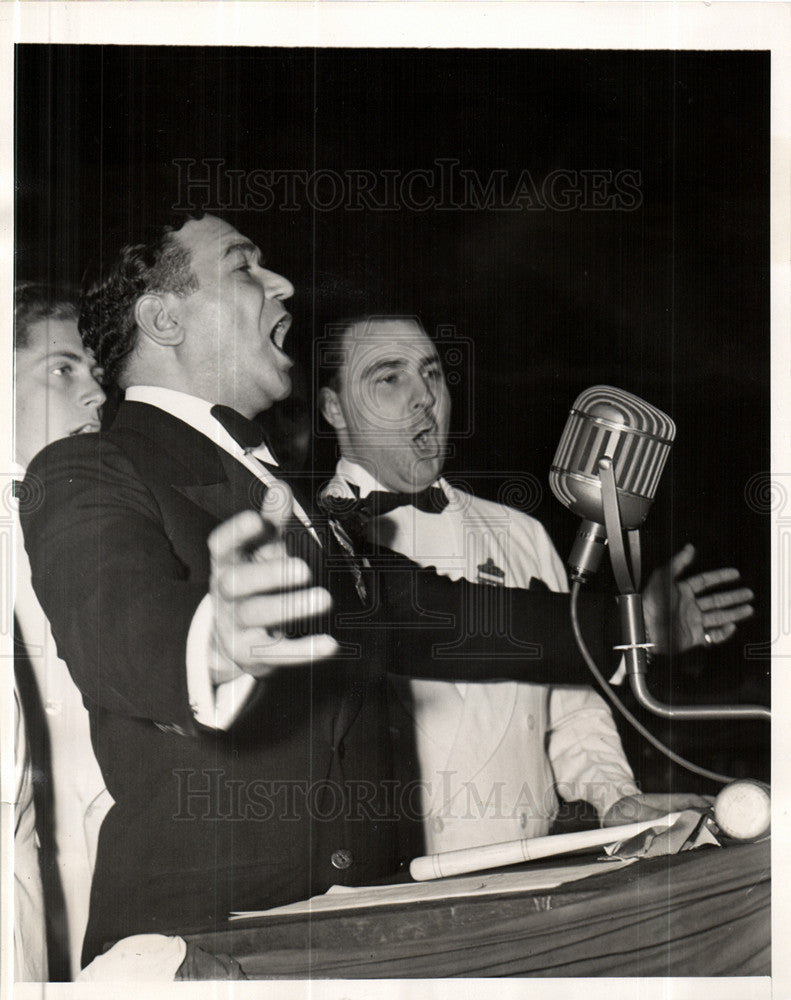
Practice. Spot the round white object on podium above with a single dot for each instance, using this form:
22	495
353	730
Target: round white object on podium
743	809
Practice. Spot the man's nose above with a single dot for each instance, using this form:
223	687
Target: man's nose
422	393
276	286
94	394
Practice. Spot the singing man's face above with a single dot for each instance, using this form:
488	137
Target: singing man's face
57	394
234	323
392	407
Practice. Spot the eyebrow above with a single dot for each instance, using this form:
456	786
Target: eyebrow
67	356
384	363
244	246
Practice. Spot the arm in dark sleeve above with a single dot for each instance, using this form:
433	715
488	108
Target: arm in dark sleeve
118	599
456	630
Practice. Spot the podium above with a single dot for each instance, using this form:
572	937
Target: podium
700	913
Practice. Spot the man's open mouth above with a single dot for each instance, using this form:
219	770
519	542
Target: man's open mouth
280	329
426	438
90	428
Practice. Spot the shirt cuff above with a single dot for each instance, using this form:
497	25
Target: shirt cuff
213	706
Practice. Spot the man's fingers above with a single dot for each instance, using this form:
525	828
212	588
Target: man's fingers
717	635
274	610
280	572
711	578
235	538
244	533
681	560
260	590
652	805
725	616
725	599
264	653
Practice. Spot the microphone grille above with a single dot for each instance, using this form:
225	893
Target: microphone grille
628	412
605	421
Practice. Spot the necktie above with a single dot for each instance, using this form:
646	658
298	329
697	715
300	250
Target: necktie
250	436
356	512
357	563
247	433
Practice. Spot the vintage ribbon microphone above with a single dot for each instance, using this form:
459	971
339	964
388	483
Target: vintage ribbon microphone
606	470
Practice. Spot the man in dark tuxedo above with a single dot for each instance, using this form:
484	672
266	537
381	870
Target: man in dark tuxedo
209	816
234	680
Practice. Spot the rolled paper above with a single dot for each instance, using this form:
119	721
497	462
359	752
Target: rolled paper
514	852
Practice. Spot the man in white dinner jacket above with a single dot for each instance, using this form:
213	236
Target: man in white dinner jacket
492	758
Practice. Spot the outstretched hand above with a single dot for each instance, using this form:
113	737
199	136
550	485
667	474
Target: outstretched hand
258	591
696	611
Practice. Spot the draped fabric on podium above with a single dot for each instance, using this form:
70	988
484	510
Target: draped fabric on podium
702	913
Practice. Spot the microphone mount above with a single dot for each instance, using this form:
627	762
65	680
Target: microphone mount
635	647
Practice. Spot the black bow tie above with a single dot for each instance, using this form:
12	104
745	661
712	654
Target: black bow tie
246	433
431	500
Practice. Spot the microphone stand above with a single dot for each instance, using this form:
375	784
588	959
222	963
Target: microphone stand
635	647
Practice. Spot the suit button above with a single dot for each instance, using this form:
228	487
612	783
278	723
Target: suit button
342	859
522	820
531	723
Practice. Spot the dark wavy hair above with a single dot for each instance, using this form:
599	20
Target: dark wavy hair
157	263
36	300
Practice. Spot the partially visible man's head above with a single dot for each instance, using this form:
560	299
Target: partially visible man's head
56	390
107	316
193	309
388	402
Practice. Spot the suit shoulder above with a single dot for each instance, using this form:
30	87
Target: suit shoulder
85	472
85	451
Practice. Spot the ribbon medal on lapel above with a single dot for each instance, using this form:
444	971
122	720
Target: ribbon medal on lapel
490	574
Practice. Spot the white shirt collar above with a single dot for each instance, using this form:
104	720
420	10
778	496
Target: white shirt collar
360	477
196	412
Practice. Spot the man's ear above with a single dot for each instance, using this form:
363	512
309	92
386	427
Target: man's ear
330	407
155	320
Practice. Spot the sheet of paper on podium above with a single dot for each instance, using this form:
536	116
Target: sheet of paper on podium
527	879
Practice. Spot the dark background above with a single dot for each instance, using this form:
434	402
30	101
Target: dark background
669	300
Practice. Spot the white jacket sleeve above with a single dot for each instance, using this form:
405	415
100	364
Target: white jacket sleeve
585	749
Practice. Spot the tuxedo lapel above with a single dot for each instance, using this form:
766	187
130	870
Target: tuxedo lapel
245	489
186	462
190	463
217	499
